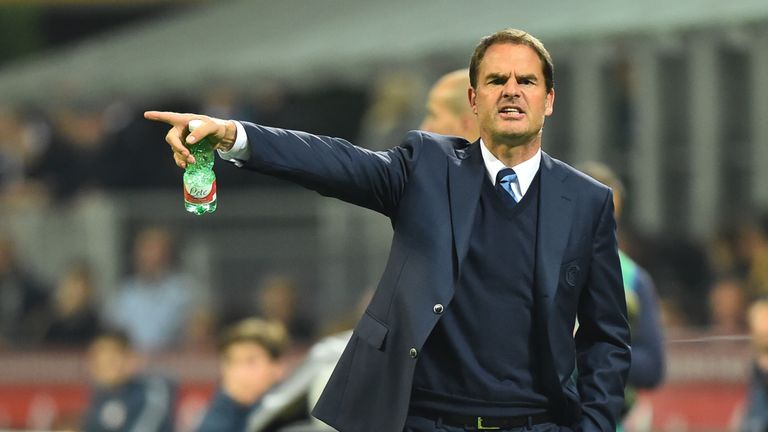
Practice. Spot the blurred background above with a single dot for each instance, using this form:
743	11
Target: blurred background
673	96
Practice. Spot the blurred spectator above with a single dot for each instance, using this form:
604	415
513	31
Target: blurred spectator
21	145
76	161
23	300
647	369
727	306
75	320
756	416
154	304
448	108
278	300
249	352
122	399
741	250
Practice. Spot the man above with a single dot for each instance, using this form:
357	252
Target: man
123	400
448	112
250	353
647	369
472	322
153	304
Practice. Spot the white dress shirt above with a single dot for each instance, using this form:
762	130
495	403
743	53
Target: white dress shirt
240	150
525	171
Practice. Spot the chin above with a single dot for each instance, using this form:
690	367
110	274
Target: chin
512	135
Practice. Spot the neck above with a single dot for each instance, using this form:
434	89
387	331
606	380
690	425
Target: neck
511	154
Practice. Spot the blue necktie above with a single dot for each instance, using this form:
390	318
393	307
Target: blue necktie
504	180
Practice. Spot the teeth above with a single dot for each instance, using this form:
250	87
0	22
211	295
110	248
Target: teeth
510	110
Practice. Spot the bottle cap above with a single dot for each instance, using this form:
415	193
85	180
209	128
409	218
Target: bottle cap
194	124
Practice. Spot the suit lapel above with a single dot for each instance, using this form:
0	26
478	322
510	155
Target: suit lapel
555	211
465	177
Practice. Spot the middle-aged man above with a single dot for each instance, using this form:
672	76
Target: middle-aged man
497	249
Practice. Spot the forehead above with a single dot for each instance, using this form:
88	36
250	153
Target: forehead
511	58
245	348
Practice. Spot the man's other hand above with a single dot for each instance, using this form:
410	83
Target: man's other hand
222	133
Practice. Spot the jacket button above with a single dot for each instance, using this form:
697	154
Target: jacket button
413	353
438	308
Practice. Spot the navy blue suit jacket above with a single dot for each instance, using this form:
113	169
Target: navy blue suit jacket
429	187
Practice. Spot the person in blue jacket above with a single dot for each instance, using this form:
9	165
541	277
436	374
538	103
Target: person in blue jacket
250	352
124	400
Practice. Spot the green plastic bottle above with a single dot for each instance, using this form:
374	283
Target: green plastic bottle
199	178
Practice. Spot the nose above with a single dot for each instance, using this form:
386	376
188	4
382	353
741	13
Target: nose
511	89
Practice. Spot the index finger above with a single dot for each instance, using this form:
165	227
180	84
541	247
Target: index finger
172	118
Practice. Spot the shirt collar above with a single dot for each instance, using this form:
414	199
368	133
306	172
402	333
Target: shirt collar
525	170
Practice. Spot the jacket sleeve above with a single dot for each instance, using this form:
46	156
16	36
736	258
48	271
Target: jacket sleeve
333	166
602	340
647	369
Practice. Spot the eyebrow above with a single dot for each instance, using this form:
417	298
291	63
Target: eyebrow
496	75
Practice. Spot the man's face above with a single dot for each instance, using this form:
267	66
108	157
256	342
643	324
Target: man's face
109	363
510	98
248	371
152	253
441	118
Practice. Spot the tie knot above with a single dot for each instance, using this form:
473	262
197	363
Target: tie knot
506	175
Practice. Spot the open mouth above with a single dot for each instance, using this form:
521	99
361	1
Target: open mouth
511	112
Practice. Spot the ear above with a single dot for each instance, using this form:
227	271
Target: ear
550	103
472	99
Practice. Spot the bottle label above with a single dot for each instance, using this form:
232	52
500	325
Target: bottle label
200	195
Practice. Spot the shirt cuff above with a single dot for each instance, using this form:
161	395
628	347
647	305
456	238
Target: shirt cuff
241	150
